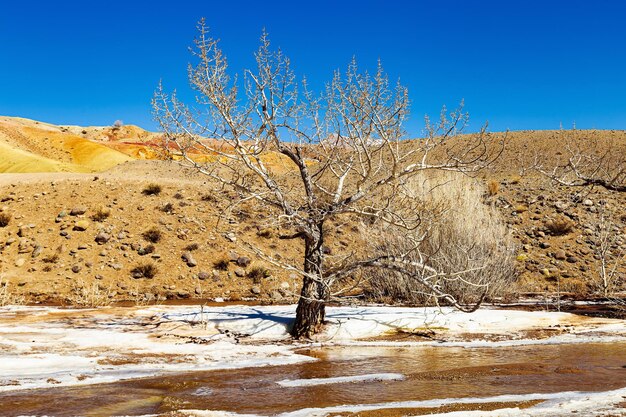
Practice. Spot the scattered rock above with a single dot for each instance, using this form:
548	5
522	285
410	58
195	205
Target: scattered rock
189	259
76	269
255	290
240	272
77	211
102	238
20	262
560	255
203	275
243	261
81	225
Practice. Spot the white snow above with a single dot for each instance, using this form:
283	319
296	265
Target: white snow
340	380
553	405
40	346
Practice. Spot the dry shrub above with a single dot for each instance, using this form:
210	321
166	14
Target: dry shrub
222	263
152	189
101	214
152	235
458	233
192	247
265	233
5	219
51	259
493	187
7	296
147	270
257	273
559	227
167	208
88	295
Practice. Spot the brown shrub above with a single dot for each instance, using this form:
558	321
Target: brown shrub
192	247
222	263
147	270
152	235
493	187
101	215
257	273
152	189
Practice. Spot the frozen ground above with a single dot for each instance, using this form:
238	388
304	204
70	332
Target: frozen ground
47	347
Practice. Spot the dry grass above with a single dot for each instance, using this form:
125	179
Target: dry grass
192	247
458	233
101	214
88	295
222	263
152	235
493	187
147	270
152	189
257	273
7	297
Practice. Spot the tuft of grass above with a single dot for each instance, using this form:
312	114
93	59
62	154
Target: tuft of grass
89	295
192	247
179	196
209	197
152	235
559	227
493	187
257	273
7	297
221	264
101	215
5	219
51	259
152	189
167	208
148	270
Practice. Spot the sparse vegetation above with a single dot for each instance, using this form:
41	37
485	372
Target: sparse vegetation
51	259
265	233
152	189
493	187
192	247
257	273
88	295
222	263
147	270
167	208
5	219
101	214
7	297
179	196
152	235
560	226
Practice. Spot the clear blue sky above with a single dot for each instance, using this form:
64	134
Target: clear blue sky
519	64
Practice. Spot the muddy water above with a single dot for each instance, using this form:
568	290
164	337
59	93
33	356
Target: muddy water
430	372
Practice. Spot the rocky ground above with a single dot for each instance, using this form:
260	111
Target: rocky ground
92	239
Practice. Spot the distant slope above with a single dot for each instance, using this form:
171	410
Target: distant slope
31	146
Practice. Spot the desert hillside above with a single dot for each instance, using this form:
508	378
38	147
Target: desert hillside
92	219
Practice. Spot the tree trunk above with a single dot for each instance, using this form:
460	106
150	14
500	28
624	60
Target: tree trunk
311	310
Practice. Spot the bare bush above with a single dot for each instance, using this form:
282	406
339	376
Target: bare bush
88	295
462	247
101	214
7	296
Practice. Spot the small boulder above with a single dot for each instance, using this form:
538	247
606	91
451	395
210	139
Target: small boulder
77	211
560	255
189	259
102	238
243	261
240	272
255	290
81	225
203	275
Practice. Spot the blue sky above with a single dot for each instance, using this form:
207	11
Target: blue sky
518	64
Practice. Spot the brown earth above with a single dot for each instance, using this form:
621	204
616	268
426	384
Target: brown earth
45	256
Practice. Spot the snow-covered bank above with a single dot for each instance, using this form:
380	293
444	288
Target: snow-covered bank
553	405
45	346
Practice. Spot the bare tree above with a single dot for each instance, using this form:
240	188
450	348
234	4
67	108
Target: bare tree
588	163
609	253
344	151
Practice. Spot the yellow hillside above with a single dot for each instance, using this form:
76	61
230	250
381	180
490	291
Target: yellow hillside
30	146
